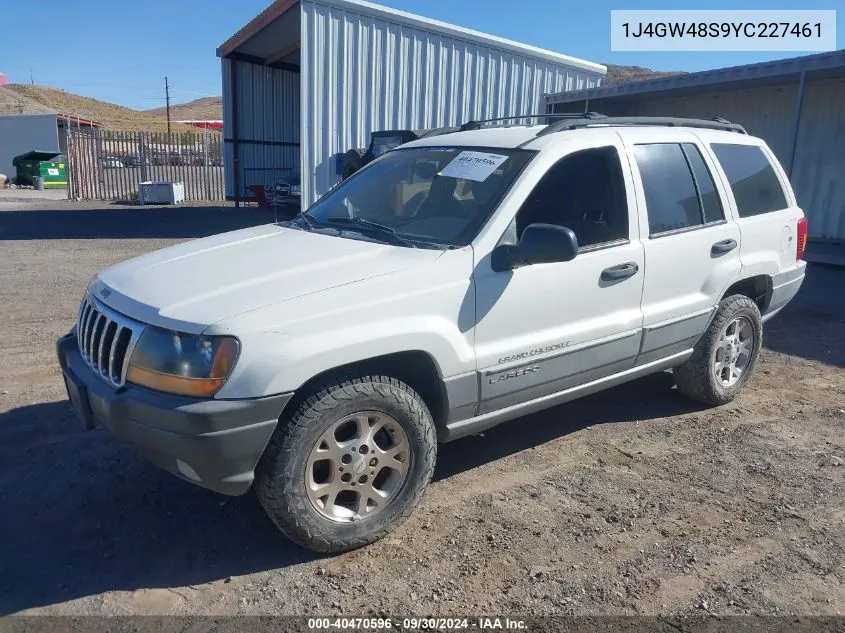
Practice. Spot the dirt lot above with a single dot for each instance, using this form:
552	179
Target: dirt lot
630	501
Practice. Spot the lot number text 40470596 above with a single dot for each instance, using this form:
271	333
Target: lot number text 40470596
418	624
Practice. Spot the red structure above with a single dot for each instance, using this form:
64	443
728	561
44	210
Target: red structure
3	79
75	121
209	125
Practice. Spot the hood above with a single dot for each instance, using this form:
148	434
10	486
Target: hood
192	285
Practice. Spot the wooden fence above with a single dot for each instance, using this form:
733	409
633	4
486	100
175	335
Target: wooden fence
110	165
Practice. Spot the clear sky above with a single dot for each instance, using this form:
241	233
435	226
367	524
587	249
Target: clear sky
120	51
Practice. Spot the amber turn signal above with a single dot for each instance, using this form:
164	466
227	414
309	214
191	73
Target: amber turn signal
180	385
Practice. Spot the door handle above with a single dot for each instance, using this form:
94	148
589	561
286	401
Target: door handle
622	271
725	246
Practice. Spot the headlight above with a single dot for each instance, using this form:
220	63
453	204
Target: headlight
185	364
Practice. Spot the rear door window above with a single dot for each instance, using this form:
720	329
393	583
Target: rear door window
671	197
711	204
678	187
755	184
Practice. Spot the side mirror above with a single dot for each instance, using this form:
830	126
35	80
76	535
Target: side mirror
539	244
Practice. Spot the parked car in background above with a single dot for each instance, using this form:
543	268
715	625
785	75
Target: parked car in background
452	284
163	158
286	195
134	161
111	162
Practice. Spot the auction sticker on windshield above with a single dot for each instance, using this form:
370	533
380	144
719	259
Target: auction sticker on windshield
473	165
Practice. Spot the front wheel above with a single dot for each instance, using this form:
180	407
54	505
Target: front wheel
349	464
726	355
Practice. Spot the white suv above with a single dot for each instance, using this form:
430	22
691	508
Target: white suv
454	283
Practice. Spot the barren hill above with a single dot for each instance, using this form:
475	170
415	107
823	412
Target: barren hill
29	99
627	74
204	109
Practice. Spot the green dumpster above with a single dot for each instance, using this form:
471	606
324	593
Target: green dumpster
49	165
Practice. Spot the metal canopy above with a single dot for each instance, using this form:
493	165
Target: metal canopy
274	35
271	39
757	74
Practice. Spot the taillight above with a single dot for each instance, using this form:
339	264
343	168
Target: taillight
802	239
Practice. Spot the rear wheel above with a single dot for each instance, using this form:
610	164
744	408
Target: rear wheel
349	464
726	355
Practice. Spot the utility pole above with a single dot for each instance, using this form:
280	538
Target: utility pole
167	99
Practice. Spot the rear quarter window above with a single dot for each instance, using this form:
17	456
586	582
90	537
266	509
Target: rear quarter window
753	180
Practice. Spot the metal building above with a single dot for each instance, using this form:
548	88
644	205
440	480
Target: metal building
21	133
797	105
307	80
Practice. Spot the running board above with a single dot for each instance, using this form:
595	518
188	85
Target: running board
472	426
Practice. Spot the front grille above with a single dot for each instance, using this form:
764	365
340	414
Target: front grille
106	340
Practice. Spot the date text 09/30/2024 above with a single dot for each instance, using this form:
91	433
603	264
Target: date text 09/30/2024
417	624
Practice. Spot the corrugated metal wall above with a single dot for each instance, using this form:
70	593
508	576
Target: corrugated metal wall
818	173
268	102
361	74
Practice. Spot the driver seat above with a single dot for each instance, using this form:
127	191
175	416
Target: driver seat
440	200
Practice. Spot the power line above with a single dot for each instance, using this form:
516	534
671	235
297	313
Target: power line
167	98
194	92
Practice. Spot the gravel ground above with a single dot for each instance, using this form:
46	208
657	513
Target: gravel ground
633	501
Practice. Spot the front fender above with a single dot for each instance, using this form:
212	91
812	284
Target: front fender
429	308
277	362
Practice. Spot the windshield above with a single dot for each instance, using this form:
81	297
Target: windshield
433	195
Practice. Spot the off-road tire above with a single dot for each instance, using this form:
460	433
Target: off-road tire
696	378
280	475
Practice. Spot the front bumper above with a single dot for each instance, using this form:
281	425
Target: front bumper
212	443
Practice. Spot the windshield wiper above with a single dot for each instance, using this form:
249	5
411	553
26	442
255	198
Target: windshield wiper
373	227
309	220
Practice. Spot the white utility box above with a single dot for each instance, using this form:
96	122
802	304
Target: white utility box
161	192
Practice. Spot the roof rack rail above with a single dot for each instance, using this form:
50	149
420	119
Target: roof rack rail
716	123
476	125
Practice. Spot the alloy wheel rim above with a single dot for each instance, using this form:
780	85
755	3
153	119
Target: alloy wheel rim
734	351
357	467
